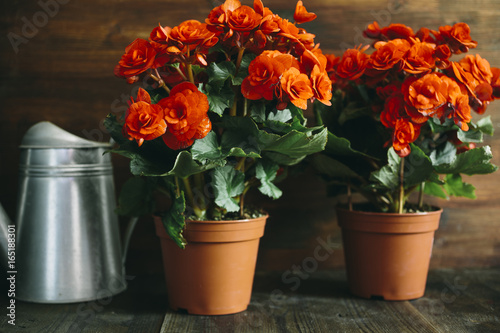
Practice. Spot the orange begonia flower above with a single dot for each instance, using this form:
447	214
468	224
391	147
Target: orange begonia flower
395	31
353	64
144	121
193	33
372	31
478	67
388	54
243	19
263	76
420	58
139	56
185	110
321	85
297	87
457	37
405	132
301	15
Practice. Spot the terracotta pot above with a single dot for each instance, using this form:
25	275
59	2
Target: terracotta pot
214	274
387	255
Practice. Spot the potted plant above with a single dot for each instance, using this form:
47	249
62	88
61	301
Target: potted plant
221	113
401	123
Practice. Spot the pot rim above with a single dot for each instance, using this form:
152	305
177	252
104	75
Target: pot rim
266	216
437	210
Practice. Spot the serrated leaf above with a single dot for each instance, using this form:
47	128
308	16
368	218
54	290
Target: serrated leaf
472	162
218	101
443	154
472	135
434	190
206	148
173	219
266	173
485	125
280	115
297	144
454	186
418	167
243	133
135	197
219	72
258	111
388	175
186	166
228	183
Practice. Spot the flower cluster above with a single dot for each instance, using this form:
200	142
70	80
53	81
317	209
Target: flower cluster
416	80
220	111
401	116
289	67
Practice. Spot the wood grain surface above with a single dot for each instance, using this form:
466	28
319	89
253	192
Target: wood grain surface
456	300
57	64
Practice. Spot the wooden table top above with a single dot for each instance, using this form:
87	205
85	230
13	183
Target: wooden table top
456	300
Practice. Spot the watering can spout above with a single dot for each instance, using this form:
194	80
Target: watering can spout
5	224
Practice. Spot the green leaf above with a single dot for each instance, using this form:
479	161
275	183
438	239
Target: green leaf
418	167
280	115
173	219
333	168
282	159
242	133
218	100
258	111
219	72
136	197
455	187
186	166
388	175
434	190
206	148
443	154
298	145
485	125
472	162
228	183
472	135
266	173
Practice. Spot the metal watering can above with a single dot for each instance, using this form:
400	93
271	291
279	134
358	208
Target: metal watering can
67	240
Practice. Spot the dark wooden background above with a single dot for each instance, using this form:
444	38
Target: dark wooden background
62	72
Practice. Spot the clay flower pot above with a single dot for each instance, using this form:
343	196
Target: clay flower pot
387	255
214	274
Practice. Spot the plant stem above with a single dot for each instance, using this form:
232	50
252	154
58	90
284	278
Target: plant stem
181	73
177	189
189	68
232	111
401	185
245	107
190	197
241	51
158	79
421	196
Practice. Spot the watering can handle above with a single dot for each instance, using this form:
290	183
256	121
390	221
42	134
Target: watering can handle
126	238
